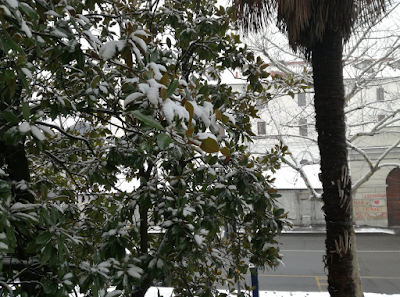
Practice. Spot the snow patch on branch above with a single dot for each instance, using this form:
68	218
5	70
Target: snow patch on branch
170	109
110	49
151	89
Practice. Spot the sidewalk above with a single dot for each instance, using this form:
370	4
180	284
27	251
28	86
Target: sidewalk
359	230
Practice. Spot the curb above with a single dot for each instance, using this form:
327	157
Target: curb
358	230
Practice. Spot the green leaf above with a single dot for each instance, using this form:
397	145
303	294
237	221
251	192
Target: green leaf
95	81
29	11
54	111
80	57
9	116
148	120
22	228
172	87
209	145
11	44
12	136
5	190
279	212
61	249
26	111
47	254
163	141
43	238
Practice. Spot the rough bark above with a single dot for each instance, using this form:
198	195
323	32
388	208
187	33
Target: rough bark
341	258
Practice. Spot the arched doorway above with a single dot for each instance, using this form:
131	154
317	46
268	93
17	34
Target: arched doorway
393	197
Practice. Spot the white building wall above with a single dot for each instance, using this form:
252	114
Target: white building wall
364	113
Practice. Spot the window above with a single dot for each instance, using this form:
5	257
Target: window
303	127
380	117
380	94
261	129
301	99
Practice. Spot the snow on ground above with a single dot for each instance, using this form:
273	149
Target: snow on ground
167	292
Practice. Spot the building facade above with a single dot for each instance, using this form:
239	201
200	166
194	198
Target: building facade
373	132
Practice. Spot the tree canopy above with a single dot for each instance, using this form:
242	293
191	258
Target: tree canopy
97	93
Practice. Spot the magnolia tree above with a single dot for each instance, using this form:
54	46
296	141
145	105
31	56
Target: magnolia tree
371	72
98	92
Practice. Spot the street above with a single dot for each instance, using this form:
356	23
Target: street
303	269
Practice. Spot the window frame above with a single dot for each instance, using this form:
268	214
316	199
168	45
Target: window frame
261	128
303	127
380	94
301	99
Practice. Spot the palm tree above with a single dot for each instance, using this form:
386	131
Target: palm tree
318	28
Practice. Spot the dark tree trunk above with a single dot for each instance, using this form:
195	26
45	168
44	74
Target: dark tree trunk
18	169
341	258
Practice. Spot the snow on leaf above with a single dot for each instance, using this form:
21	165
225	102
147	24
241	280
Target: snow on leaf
46	129
83	18
19	205
187	211
141	32
68	275
199	239
114	293
206	135
3	246
26	216
6	10
28	33
103	89
40	39
27	72
12	3
168	223
91	37
203	232
202	113
157	68
109	49
139	41
231	117
135	271
53	13
68	282
152	263
24	127
37	133
151	89
132	97
58	33
170	109
131	80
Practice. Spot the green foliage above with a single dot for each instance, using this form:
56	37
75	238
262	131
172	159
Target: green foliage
100	94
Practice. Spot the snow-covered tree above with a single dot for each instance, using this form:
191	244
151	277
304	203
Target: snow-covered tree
99	93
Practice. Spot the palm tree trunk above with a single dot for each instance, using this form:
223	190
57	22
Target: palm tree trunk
341	258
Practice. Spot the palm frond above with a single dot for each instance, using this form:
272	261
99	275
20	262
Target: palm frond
305	21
